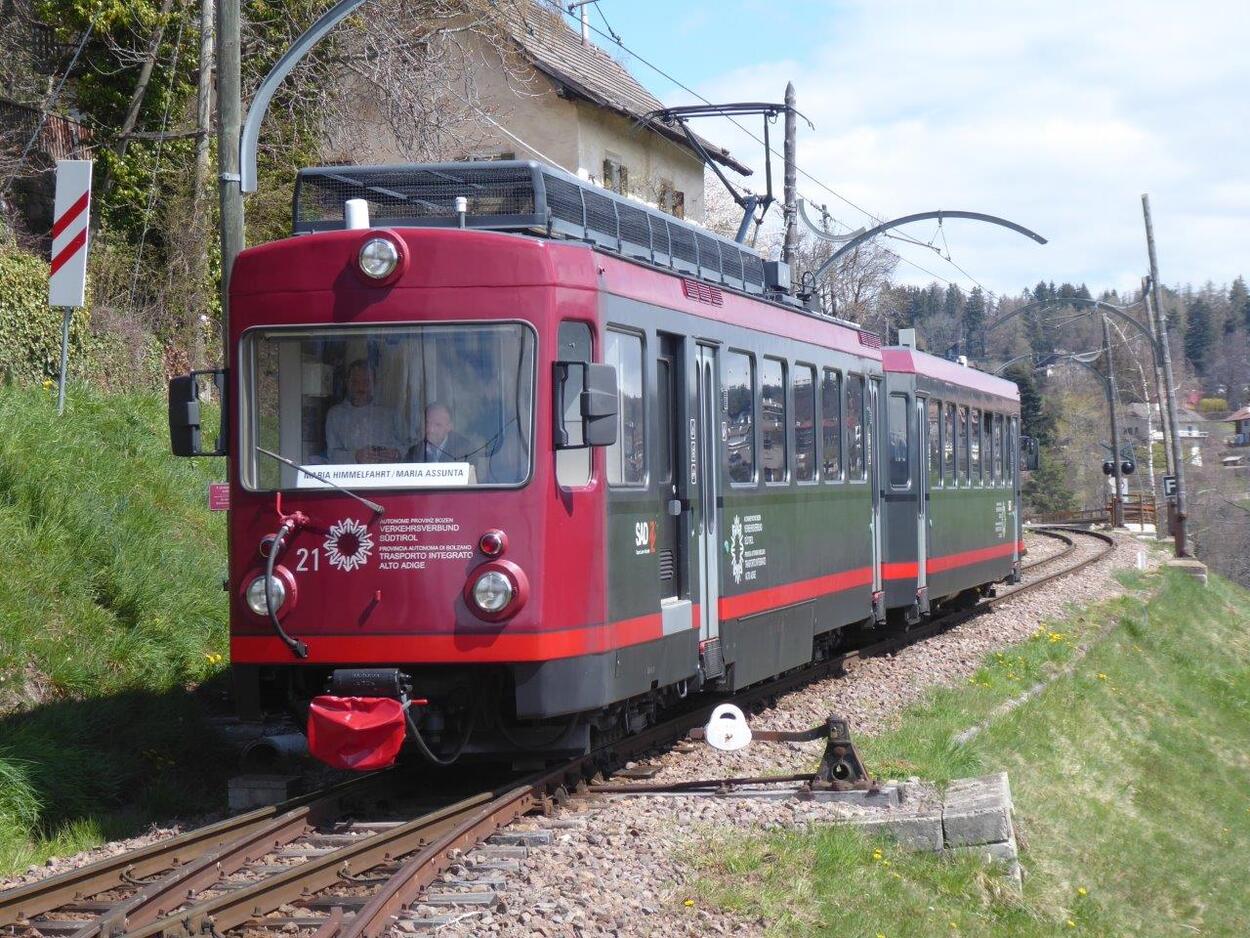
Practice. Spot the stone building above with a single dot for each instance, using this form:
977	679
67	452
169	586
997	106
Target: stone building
543	93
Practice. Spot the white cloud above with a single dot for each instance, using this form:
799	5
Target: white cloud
1057	115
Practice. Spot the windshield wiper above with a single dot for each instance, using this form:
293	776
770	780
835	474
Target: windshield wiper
374	506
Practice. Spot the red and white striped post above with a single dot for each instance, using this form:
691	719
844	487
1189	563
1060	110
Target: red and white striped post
67	284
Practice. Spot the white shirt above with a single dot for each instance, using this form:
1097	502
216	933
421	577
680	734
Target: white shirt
349	428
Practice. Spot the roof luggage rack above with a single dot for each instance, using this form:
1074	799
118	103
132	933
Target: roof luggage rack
522	195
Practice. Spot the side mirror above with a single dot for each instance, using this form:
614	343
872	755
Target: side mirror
585	405
184	414
1030	457
599	405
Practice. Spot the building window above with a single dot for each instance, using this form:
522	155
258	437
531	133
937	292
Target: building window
773	419
899	441
615	175
627	457
856	469
738	385
935	444
804	423
573	465
671	200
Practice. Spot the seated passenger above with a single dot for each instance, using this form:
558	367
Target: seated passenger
441	442
357	429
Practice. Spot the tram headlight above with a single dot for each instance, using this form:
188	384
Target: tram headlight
492	591
256	595
378	258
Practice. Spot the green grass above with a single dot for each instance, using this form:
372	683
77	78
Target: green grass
111	611
1131	780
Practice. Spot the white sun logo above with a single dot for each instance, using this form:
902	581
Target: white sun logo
348	545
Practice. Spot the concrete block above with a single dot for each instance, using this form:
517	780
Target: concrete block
977	811
1192	568
885	797
918	832
245	792
1004	852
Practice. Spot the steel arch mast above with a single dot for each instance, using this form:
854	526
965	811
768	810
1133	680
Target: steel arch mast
940	215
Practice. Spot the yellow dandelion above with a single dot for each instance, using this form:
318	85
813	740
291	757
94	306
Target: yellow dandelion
1101	676
1071	924
688	903
1082	891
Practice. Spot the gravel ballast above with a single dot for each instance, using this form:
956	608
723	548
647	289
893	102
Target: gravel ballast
616	866
621	872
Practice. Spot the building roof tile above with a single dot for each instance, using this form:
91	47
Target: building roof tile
552	47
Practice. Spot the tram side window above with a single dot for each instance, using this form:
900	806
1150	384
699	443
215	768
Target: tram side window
935	444
773	419
627	457
738	387
974	446
998	449
900	442
573	465
948	446
856	469
804	423
1012	457
961	444
831	424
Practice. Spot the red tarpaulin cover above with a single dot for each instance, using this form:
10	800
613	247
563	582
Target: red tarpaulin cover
360	733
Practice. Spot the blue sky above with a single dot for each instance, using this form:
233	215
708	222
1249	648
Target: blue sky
1058	115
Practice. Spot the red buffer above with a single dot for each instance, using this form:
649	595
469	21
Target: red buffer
358	733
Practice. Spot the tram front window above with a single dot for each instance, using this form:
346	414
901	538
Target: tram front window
389	406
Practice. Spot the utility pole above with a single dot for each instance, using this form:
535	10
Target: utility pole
1117	501
229	118
791	182
1161	324
1165	434
199	209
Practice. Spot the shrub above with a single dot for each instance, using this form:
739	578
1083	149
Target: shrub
30	335
1212	405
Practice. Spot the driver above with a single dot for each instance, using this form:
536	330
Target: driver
441	442
357	429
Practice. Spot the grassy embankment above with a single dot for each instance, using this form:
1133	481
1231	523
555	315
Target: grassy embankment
1131	780
111	609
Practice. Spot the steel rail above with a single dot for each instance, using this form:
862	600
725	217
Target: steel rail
33	899
249	903
1046	561
429	842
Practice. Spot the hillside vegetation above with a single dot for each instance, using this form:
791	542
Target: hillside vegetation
1129	775
110	609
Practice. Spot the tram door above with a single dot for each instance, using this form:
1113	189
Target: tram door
669	540
871	412
922	492
707	531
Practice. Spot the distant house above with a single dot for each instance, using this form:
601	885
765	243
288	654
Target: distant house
1192	426
1241	427
580	109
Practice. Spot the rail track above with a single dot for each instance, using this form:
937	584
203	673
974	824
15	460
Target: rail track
344	861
